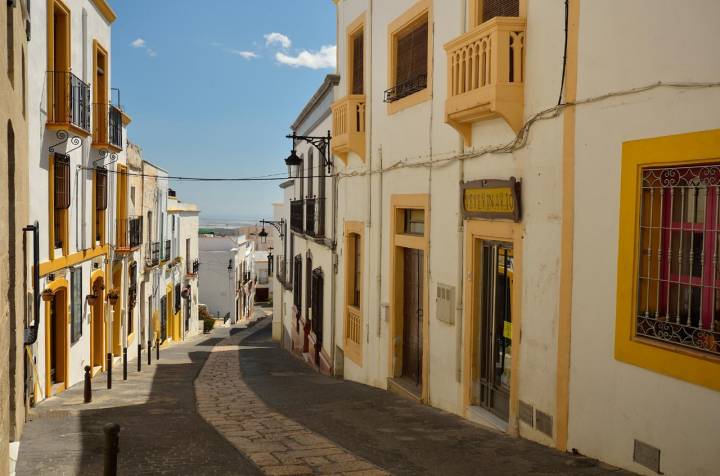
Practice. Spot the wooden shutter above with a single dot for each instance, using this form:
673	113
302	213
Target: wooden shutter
358	56
500	8
100	189
61	182
412	54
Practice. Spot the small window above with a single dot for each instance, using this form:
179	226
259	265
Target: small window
61	198
358	42
414	222
76	304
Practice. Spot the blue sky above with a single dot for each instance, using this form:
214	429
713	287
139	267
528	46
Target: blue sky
213	93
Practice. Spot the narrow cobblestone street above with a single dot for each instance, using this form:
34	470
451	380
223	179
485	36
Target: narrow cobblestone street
254	409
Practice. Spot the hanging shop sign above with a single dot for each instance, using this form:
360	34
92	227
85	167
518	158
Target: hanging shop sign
492	199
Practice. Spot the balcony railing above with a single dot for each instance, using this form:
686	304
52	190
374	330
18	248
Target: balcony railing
129	233
315	217
296	216
485	75
68	102
406	88
349	126
152	255
193	268
107	126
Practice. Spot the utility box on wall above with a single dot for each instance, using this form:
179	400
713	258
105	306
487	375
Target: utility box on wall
445	303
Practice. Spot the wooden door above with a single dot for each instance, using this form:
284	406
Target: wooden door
413	315
98	318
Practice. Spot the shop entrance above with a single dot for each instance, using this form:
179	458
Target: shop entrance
492	339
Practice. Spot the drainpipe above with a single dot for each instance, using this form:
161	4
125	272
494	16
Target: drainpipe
460	244
31	332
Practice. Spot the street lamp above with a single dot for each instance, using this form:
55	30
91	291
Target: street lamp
321	143
263	235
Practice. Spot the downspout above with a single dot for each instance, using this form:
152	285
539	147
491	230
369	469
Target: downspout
460	244
31	332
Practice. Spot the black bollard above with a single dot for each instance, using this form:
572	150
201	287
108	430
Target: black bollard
112	447
124	363
88	388
149	351
157	349
109	370
139	357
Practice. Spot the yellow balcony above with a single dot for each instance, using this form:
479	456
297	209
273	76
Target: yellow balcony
349	126
485	75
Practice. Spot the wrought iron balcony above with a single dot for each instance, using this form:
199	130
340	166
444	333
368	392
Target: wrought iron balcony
315	217
152	254
193	268
349	126
296	216
107	126
68	104
406	88
485	75
129	233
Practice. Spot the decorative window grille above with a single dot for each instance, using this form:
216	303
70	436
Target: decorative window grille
679	277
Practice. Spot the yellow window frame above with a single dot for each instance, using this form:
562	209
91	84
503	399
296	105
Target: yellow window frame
667	359
357	27
62	215
408	20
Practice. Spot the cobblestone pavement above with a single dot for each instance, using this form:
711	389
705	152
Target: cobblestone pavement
161	432
296	421
275	443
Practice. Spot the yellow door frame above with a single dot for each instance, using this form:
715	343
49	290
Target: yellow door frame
169	324
94	277
117	310
59	285
398	243
485	230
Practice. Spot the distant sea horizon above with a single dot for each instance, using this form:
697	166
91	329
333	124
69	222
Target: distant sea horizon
226	222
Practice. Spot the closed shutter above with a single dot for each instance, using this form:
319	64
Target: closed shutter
358	55
62	182
100	189
412	54
500	8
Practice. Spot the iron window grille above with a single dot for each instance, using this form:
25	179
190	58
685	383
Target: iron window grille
679	249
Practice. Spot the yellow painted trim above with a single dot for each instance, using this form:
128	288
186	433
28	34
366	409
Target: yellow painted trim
352	351
683	364
71	260
94	276
562	380
105	10
121	206
494	231
399	241
126	119
64	214
56	286
397	27
117	274
475	10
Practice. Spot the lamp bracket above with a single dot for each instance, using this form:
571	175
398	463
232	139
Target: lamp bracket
321	143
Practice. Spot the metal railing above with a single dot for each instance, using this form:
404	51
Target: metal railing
107	125
406	88
315	217
68	100
296	216
129	233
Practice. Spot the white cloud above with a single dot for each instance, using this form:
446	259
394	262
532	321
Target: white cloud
277	38
244	54
151	52
139	43
325	58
